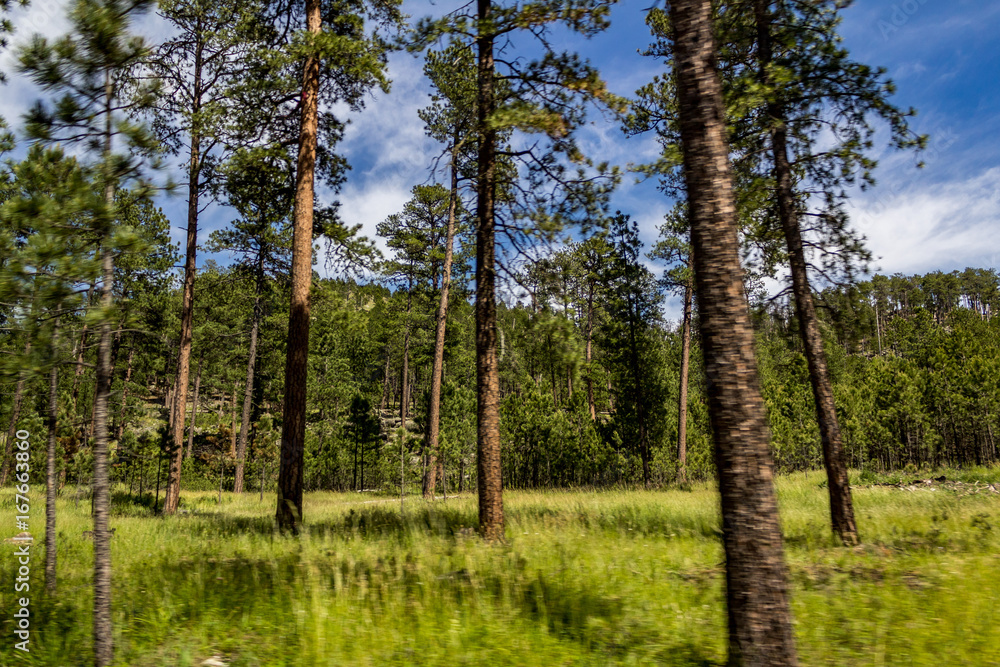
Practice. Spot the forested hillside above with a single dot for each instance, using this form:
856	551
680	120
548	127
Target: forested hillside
914	360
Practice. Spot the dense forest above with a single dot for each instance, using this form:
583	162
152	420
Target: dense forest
914	360
508	329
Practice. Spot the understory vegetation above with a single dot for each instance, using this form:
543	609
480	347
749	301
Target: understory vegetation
615	577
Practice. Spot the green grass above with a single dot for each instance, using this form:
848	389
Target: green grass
585	578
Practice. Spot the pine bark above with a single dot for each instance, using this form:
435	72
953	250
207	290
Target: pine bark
760	625
173	493
490	484
293	427
103	642
437	369
241	445
841	505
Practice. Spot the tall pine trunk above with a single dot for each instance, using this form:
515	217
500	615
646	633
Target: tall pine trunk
241	444
760	624
173	494
15	414
103	646
293	427
490	480
682	398
437	370
841	506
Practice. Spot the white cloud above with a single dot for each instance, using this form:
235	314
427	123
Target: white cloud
920	228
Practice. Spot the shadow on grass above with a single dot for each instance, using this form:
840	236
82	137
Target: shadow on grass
388	585
124	503
366	522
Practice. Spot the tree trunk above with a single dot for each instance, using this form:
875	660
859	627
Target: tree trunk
103	646
682	399
404	401
590	338
490	481
760	625
120	431
15	414
232	421
293	427
385	380
241	446
51	479
841	507
173	494
437	370
194	408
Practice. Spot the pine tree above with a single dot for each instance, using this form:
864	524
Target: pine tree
205	71
88	71
540	97
760	627
48	254
674	248
349	62
259	186
450	120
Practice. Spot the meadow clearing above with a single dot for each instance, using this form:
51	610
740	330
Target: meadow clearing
623	577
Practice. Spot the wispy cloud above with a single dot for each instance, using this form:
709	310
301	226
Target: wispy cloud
946	226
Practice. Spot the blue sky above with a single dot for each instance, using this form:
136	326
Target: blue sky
943	57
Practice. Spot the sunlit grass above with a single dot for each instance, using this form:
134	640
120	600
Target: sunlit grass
585	578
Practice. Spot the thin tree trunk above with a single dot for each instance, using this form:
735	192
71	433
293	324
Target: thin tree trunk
194	408
760	624
682	399
488	467
841	507
293	428
437	370
232	426
241	446
103	646
173	494
15	414
404	402
385	380
120	431
51	480
590	338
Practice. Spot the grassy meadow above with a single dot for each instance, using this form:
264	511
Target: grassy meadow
625	577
